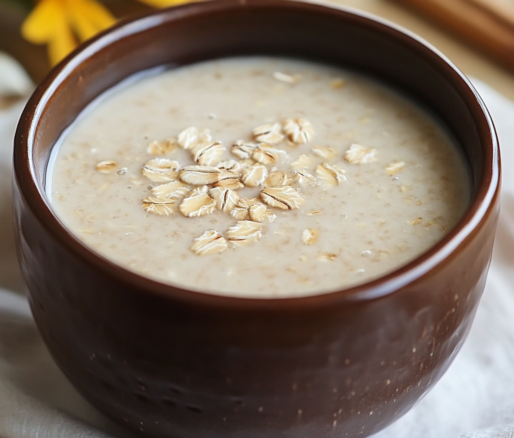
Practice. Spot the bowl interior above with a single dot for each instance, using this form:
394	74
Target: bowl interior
202	31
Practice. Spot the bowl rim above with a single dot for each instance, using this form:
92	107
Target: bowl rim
26	180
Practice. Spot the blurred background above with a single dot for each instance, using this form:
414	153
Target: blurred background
477	35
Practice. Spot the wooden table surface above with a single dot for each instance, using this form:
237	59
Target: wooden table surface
470	61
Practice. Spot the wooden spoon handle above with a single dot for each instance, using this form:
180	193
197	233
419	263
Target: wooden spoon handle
501	9
484	30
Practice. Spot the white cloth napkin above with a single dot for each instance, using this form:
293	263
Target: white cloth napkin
473	400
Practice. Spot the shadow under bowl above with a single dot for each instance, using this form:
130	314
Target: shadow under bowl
175	363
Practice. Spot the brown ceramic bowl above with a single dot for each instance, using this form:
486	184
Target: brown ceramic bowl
181	364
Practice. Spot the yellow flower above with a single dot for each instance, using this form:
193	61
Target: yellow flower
164	3
59	23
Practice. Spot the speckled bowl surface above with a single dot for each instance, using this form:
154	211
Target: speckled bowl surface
180	364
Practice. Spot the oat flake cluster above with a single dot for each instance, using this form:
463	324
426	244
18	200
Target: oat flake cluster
211	184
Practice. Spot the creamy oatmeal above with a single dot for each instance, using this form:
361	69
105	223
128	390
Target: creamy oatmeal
258	177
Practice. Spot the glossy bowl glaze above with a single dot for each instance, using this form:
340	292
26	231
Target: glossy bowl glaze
180	364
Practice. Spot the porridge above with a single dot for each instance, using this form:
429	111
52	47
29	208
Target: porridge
258	177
